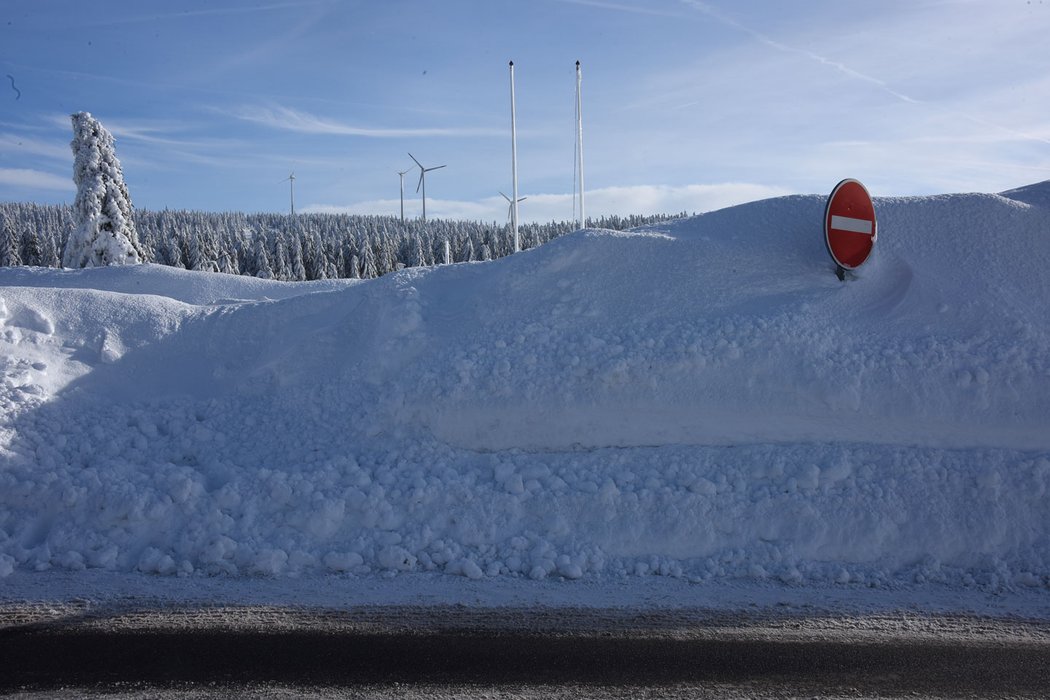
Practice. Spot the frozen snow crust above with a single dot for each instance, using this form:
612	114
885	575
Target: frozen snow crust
700	399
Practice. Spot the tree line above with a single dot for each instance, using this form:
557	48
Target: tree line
283	247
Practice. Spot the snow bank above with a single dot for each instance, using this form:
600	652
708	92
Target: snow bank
701	399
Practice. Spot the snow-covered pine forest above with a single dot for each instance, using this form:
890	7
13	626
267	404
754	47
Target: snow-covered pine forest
275	246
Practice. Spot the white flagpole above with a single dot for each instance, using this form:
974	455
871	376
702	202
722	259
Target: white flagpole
579	138
514	161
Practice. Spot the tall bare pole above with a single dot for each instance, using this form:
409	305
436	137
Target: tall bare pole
579	138
514	162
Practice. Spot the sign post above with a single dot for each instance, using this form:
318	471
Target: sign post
850	228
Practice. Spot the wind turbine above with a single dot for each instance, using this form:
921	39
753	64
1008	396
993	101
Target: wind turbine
423	181
291	190
511	209
401	174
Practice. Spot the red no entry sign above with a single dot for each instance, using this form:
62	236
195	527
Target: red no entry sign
850	228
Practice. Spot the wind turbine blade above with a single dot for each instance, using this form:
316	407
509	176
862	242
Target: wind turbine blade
417	162
522	199
418	184
436	167
505	197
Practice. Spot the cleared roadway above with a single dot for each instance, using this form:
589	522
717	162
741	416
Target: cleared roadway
450	653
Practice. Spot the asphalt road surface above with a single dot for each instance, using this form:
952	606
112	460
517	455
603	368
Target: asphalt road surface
388	654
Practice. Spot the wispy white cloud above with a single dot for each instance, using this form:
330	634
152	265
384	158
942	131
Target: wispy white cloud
166	142
640	9
933	166
210	12
965	137
34	179
288	119
154	144
262	49
150	131
481	210
645	199
655	199
21	146
608	201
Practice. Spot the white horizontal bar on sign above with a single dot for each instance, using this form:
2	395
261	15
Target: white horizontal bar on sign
846	223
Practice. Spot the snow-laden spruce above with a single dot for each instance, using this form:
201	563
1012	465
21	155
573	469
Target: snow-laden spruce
105	229
9	243
700	399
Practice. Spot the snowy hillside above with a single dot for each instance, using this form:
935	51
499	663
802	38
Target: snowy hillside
699	399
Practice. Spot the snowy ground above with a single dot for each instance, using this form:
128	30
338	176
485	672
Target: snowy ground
701	401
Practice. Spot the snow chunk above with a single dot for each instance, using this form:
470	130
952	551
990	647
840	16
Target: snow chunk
111	348
396	559
32	320
343	561
269	562
155	561
471	570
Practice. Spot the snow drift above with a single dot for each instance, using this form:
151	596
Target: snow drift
701	399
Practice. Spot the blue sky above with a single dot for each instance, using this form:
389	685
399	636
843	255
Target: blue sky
687	104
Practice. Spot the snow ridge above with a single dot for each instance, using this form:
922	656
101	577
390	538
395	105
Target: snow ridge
699	399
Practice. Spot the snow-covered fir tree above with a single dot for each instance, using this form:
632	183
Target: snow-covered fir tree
105	229
31	247
368	263
9	243
279	262
260	261
227	263
419	255
170	253
48	250
296	269
314	262
191	251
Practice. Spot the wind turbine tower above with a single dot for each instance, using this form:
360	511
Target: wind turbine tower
401	174
291	191
513	163
423	181
512	214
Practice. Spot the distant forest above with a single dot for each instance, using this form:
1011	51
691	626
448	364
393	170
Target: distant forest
282	247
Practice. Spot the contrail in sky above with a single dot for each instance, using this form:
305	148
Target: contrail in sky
760	37
719	16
